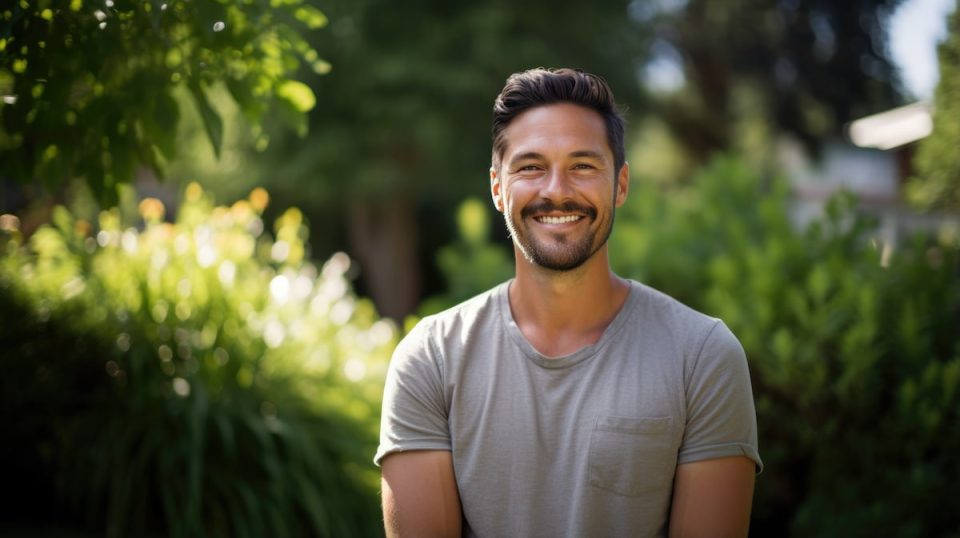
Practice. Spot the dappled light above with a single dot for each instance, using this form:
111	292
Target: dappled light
217	220
201	310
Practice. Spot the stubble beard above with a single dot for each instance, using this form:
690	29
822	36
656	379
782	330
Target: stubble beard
564	254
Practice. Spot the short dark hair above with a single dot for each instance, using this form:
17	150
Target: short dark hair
538	87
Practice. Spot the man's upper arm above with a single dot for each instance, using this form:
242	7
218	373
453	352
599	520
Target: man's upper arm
420	495
712	498
718	460
721	420
414	413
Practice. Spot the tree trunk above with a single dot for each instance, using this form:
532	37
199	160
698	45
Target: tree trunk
383	238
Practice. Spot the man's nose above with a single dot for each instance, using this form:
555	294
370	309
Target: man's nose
556	184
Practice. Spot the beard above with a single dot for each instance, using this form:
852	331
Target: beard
560	252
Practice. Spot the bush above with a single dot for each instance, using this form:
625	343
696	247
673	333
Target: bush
854	352
194	378
472	264
937	184
853	346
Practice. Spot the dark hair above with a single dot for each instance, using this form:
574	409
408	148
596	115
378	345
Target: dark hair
538	87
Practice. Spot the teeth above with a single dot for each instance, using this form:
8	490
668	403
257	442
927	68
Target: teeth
559	220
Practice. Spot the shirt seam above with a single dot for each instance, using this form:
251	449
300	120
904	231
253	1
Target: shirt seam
699	355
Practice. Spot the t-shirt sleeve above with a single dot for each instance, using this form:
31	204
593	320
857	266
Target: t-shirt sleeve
414	414
721	418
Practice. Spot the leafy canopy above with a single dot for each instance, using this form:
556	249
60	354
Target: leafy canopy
87	87
938	162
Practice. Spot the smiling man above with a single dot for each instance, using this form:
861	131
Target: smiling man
567	401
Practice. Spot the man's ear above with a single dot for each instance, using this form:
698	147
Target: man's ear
495	190
623	184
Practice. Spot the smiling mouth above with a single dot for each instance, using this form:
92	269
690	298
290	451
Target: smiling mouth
546	212
558	220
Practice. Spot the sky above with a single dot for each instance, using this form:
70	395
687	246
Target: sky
915	30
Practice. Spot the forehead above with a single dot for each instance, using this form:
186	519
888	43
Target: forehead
558	128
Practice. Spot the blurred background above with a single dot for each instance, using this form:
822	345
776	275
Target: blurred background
217	218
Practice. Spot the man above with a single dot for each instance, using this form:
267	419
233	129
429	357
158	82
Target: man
567	401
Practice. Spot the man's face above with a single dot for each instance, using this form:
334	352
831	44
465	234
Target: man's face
556	185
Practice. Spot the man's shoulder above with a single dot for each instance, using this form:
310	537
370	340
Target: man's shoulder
696	332
668	309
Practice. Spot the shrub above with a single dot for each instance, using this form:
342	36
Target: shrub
472	264
854	346
854	351
189	378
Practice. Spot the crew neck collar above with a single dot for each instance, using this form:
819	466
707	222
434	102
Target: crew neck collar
582	354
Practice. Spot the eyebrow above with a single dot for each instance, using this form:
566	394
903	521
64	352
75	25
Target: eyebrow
587	153
529	155
533	155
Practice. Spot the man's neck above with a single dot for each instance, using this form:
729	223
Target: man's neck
560	312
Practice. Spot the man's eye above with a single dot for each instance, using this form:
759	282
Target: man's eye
528	168
583	166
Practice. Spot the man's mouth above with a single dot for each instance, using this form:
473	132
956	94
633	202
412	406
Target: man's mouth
546	219
548	213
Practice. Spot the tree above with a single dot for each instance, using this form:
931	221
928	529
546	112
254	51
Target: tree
938	163
401	132
805	66
87	88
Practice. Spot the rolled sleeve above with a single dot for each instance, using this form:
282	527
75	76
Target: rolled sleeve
721	417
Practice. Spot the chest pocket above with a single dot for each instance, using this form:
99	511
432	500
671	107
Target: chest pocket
632	456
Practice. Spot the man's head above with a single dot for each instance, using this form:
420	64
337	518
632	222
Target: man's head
558	170
538	87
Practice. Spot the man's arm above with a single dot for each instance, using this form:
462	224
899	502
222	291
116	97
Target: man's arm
420	495
712	498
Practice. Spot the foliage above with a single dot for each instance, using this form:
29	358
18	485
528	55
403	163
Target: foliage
805	67
194	378
87	87
401	132
937	184
854	351
409	103
853	346
471	264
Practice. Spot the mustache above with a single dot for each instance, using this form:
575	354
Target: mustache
566	207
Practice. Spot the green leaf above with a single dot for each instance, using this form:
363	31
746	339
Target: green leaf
212	122
224	426
252	508
162	126
297	94
242	92
311	16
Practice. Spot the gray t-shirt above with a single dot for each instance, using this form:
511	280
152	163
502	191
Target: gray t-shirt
581	445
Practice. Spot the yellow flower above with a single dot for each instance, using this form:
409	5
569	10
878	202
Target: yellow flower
152	210
259	198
